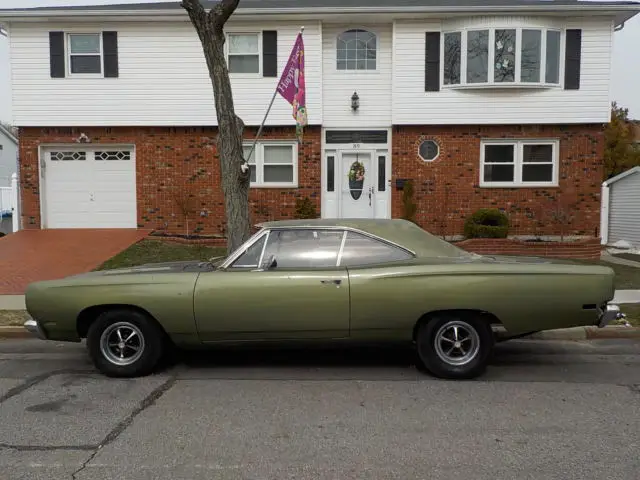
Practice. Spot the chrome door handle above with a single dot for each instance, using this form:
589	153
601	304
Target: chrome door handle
329	282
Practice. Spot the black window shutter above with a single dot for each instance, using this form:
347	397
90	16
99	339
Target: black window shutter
110	46
572	60
270	53
56	54
432	62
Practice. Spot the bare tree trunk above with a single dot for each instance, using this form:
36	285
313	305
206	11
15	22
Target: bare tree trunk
234	173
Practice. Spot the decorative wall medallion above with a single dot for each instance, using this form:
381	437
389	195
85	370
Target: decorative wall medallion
356	179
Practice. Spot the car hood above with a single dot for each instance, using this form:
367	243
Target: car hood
159	268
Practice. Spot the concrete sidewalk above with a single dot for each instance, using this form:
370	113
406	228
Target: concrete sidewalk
12	302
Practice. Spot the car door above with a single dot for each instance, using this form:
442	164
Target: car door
303	296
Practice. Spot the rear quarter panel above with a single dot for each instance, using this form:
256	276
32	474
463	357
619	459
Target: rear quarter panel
388	301
168	298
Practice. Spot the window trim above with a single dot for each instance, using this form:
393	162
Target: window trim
227	43
519	144
347	71
68	54
517	83
227	265
258	154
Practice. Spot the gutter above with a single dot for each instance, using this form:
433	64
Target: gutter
611	8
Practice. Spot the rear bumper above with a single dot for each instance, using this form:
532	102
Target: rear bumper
608	314
32	326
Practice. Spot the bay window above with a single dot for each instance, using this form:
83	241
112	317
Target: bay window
501	56
519	163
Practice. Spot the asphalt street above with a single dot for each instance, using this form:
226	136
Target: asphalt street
545	410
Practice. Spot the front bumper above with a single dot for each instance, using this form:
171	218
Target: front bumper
32	326
608	314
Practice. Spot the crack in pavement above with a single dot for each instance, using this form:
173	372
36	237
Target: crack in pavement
147	402
45	448
30	382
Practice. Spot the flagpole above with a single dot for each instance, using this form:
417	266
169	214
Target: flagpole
273	98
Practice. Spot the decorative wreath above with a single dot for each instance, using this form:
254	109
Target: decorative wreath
356	172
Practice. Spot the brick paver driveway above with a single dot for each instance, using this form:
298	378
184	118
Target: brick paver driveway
32	255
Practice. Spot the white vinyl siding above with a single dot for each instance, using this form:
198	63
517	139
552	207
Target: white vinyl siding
163	78
373	86
506	105
624	210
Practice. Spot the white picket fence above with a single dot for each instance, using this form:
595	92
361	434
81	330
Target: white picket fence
9	205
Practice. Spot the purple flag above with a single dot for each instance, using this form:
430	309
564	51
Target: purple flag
292	86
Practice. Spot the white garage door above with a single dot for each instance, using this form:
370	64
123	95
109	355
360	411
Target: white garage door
89	188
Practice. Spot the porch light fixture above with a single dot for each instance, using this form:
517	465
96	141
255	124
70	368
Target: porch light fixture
355	101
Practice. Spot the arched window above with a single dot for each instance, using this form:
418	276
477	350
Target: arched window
356	50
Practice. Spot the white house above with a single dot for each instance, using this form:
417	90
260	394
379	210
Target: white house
497	103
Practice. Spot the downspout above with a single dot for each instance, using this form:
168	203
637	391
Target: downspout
604	214
619	27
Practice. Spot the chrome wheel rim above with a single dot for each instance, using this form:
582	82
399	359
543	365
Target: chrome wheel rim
122	343
457	343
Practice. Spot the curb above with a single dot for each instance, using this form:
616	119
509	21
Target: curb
587	333
15	332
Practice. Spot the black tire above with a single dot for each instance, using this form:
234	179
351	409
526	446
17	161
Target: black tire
436	360
140	362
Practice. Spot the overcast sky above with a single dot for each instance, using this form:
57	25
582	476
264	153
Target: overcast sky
626	67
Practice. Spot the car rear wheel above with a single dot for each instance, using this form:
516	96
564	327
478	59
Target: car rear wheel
125	343
455	346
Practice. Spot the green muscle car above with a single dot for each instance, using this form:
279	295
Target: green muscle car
323	280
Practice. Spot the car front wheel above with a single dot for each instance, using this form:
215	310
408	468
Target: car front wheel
455	346
125	343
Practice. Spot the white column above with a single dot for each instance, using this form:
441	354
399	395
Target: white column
15	204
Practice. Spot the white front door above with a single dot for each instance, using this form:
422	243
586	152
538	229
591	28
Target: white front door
357	181
89	187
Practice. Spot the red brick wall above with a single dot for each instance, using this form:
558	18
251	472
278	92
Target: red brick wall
174	160
584	249
447	190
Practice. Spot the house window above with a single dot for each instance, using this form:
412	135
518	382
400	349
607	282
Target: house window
519	163
356	50
501	56
244	53
85	53
273	164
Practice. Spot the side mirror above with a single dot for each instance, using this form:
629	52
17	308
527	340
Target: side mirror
269	263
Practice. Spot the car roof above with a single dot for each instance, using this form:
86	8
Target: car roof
399	231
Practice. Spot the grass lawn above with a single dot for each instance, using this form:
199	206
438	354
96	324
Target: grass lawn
154	251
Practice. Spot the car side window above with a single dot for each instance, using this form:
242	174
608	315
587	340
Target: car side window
251	257
362	250
304	248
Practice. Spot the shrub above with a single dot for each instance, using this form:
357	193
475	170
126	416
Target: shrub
487	223
305	208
